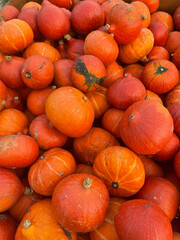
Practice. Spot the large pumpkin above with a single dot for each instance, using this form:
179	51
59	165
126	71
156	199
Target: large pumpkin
69	110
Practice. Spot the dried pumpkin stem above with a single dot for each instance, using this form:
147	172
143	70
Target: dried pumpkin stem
107	26
28	75
28	191
143	17
3	102
53	87
26	224
8	58
16	99
3	217
67	37
87	183
61	42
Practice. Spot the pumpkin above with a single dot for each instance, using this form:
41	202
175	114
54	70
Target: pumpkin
54	164
15	35
3	95
47	22
153	96
125	91
44	49
176	18
173	41
73	202
113	72
163	17
160	33
62	4
151	4
144	11
37	72
98	99
10	71
158	52
107	5
125	22
7	227
18	151
140	124
176	164
8	12
175	58
62	48
173	97
10	190
101	45
107	229
163	193
88	73
69	110
75	47
13	121
39	222
169	151
62	72
29	115
30	5
37	98
117	167
174	110
152	169
29	15
148	221
14	99
84	23
134	69
84	168
45	134
137	49
88	146
111	119
160	76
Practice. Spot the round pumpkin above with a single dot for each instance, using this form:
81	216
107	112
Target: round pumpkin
173	97
134	69
176	18
160	32
173	41
8	12
108	4
3	95
163	17
30	5
158	52
151	4
7	227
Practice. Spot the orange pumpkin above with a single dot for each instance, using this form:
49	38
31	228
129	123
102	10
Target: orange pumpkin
15	35
153	96
84	168
135	70
158	52
151	4
163	17
160	33
3	95
173	41
87	147
30	5
69	110
39	222
8	12
117	167
173	97
7	227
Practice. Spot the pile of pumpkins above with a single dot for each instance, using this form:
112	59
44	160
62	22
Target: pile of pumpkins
89	121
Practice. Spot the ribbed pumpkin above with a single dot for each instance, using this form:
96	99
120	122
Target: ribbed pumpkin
69	110
117	167
15	35
39	222
7	227
54	164
137	49
140	124
88	146
11	189
158	52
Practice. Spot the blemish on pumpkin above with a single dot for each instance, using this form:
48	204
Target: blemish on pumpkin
115	184
42	65
2	217
131	117
65	196
36	134
28	75
68	234
26	224
42	157
85	99
148	206
155	197
130	20
61	174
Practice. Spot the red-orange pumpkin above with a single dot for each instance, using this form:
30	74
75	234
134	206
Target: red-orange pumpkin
176	56
11	189
174	110
151	4
163	17
140	124
62	4
14	99
173	97
160	32
135	70
158	52
3	95
8	12
73	202
7	227
173	41
176	18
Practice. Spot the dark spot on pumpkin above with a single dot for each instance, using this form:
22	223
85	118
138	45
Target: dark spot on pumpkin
68	234
115	184
3	217
42	157
131	117
148	206
61	174
85	99
28	75
42	65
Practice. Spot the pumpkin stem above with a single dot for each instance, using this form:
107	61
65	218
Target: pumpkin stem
26	224
2	217
3	102
2	20
61	42
126	74
16	99
28	191
115	184
28	75
143	17
67	37
107	27
8	58
53	87
42	157
85	99
87	183
145	59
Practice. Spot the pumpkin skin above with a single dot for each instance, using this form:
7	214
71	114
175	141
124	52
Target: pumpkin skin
158	52
62	4
44	49
84	23
117	166
75	47
176	18
173	41
62	48
152	222
88	73
10	71
175	112
62	72
113	72
175	58
98	99
2	57
172	177
151	4
8	12
37	98
45	134
152	169
173	97
84	168
153	96
125	91
76	212
18	151
160	32
37	72
30	5
87	147
118	22
48	25
7	227
163	193
107	5
163	17
69	110
3	95
135	70
138	49
177	164
101	45
54	164
11	189
15	35
13	121
14	99
107	229
40	223
146	116
111	119
160	76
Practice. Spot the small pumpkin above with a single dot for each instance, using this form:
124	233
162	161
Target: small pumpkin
134	69
31	4
7	227
158	52
8	12
160	33
173	41
176	18
163	17
151	4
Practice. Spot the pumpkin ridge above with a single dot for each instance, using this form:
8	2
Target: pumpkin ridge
5	35
25	41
